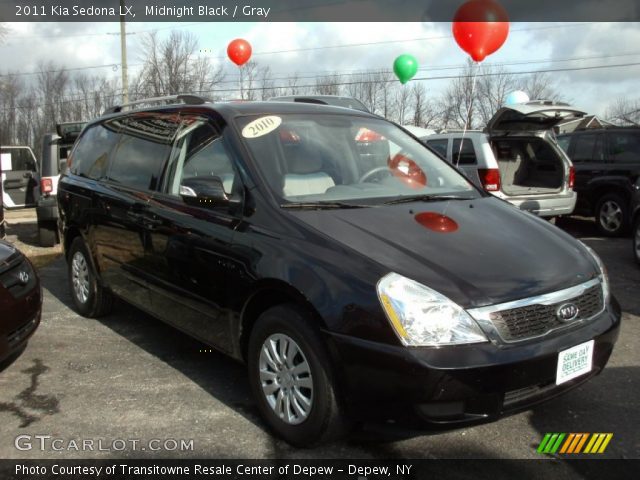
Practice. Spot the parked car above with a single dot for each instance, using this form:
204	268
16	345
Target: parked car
55	148
335	100
635	216
19	169
20	300
516	157
350	291
607	164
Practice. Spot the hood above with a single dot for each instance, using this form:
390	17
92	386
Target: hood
532	117
494	254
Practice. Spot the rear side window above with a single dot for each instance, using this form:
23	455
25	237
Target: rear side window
91	155
145	143
464	156
439	146
583	150
624	146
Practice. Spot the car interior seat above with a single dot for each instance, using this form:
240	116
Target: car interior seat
305	175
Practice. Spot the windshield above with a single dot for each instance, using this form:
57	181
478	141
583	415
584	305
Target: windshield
336	158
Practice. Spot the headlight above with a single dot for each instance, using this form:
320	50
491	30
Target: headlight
421	316
603	273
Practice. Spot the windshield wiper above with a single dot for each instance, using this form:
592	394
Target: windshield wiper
426	198
321	205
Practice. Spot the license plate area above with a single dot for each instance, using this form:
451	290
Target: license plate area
574	361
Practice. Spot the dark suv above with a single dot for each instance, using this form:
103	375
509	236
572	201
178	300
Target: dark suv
351	290
607	164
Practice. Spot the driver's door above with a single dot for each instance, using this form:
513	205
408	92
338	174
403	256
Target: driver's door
191	247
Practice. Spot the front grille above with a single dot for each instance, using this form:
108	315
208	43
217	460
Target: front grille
537	319
19	279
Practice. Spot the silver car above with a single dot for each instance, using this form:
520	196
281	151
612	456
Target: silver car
516	157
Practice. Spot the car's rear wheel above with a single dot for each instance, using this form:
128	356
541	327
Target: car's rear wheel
291	378
47	235
636	239
90	298
612	215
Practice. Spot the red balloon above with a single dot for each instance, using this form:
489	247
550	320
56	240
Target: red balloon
407	171
480	27
437	222
239	51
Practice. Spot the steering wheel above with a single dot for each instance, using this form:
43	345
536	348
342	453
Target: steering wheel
372	172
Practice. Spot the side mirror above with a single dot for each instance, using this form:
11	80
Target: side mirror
205	192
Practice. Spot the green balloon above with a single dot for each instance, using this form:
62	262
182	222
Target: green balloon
405	67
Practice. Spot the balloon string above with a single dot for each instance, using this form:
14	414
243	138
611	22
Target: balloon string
476	67
467	121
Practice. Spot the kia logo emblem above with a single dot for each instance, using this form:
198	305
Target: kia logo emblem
567	312
23	277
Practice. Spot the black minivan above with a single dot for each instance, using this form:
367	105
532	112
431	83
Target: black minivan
354	287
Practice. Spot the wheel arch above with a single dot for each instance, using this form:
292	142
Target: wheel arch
269	293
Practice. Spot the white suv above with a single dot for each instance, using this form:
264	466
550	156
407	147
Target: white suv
516	157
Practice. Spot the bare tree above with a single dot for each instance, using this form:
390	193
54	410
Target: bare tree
624	111
171	67
492	90
541	86
328	85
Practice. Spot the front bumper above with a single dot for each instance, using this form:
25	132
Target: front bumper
462	384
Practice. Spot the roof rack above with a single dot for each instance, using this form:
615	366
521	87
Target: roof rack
170	99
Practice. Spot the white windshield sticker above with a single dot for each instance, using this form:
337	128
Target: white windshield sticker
261	126
5	162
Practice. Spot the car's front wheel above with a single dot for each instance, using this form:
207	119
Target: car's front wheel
90	298
291	378
636	239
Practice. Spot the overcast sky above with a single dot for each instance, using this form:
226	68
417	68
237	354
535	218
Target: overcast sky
541	45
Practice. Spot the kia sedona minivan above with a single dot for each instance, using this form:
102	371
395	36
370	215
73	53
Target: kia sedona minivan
352	290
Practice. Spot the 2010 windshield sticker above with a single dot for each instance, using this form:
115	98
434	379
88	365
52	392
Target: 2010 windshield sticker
261	126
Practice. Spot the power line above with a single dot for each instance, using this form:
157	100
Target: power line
324	47
444	77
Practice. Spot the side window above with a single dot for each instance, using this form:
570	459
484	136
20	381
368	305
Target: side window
199	151
625	146
439	146
145	143
584	147
464	156
18	159
90	158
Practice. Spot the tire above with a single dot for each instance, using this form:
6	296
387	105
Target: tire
636	240
95	300
612	215
324	420
47	235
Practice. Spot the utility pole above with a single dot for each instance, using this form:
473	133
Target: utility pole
123	55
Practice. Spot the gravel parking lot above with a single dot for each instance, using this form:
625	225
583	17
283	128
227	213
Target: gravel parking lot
129	376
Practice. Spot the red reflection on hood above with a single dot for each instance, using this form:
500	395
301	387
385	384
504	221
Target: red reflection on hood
436	222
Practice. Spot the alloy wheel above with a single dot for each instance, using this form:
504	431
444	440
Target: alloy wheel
285	376
610	216
80	277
